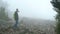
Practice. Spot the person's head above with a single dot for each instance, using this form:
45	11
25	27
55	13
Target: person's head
17	10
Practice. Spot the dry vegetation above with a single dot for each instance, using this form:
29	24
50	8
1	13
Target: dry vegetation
24	28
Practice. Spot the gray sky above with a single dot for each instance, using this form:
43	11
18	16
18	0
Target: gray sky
32	8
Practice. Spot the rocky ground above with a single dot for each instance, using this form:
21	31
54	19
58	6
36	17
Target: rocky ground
6	27
21	30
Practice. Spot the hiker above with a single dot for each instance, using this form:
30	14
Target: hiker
16	17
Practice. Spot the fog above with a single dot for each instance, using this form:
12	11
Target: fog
37	17
39	9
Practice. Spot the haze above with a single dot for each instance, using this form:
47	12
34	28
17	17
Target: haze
40	9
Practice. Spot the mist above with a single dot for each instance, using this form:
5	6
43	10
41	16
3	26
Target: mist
38	9
27	17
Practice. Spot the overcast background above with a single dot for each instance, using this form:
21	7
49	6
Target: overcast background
39	9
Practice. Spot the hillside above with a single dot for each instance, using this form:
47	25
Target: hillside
28	25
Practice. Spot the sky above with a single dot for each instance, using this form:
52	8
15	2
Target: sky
40	9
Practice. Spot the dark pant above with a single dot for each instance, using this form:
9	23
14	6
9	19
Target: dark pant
16	23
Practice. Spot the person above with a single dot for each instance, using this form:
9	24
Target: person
16	17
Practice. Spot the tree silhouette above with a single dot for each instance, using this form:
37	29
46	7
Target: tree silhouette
3	14
56	4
